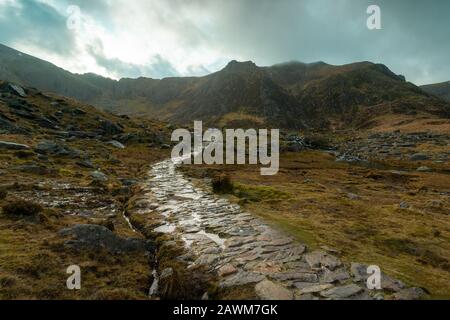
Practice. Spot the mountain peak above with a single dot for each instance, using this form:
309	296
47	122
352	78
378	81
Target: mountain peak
237	66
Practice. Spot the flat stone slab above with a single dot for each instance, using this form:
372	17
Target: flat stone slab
241	278
342	292
268	290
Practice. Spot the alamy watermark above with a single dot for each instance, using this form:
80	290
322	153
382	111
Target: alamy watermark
74	280
374	280
239	146
374	19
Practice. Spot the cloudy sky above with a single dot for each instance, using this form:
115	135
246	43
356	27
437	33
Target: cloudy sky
161	38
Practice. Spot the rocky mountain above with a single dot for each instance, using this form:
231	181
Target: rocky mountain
441	90
290	95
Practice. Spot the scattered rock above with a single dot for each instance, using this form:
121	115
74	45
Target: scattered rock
116	144
424	169
48	147
13	146
98	176
268	290
410	294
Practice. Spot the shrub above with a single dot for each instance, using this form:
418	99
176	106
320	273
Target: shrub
24	154
222	184
22	208
3	194
318	141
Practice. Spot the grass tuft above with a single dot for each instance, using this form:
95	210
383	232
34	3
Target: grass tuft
22	208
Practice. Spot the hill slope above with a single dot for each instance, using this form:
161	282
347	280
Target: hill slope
441	90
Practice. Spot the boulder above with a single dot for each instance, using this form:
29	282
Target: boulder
97	237
13	89
13	146
268	290
48	147
98	176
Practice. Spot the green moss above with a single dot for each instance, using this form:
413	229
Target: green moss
258	193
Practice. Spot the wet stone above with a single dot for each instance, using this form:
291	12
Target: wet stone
295	276
242	278
342	292
334	276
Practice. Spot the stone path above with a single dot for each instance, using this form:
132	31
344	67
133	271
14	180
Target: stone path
242	250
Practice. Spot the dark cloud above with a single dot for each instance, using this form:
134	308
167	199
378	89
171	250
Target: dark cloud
413	41
35	23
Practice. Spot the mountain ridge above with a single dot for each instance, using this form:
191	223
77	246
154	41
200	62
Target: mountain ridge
288	95
441	90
